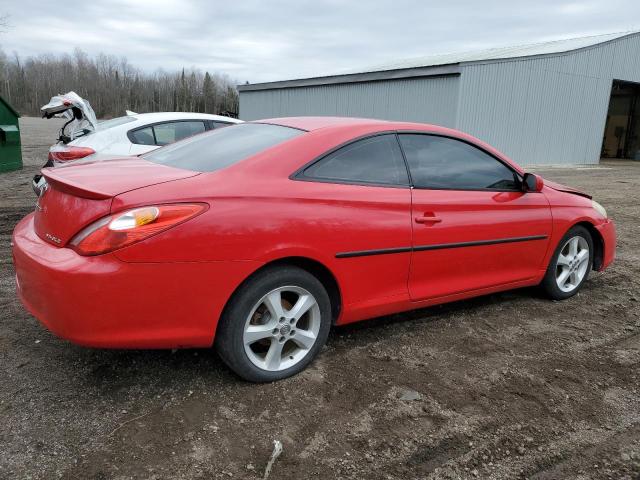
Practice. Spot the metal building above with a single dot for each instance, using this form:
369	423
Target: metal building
561	102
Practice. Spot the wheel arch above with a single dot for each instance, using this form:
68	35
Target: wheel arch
598	242
315	268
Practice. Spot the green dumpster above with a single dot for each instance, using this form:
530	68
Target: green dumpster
10	151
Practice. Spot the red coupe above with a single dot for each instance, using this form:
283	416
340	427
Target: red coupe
257	238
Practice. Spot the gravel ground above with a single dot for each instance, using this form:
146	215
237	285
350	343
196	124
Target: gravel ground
504	386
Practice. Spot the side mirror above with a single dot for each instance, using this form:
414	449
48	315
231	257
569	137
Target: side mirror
532	182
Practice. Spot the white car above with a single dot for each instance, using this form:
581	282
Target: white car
135	134
83	138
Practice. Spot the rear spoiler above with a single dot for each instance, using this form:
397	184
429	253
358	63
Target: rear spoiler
64	185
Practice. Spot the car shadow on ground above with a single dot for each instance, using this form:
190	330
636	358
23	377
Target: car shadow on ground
437	313
115	370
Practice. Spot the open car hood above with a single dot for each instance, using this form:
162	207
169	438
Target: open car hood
563	188
77	110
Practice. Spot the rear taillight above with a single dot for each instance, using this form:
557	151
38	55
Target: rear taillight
131	226
67	153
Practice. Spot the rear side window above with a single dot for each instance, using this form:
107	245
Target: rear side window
449	164
143	136
375	160
222	147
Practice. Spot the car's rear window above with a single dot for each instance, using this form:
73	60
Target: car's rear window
115	122
222	147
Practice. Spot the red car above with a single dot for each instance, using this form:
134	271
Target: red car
256	238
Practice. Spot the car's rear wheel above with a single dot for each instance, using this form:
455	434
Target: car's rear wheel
275	324
570	265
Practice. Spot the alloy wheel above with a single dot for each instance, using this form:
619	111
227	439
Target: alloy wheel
281	328
572	264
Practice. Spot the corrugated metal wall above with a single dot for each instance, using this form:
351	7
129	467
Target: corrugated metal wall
546	110
427	100
538	110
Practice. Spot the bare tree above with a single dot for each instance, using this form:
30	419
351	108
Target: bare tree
112	85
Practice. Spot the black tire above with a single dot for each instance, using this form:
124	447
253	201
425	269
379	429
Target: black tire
549	284
229	335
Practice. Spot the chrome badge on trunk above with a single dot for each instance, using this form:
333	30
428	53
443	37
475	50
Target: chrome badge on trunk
52	238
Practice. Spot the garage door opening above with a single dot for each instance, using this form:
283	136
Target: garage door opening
622	130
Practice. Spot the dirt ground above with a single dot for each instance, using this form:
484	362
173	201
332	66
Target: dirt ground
504	386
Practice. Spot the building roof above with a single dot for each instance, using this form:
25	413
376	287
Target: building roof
499	53
8	105
444	64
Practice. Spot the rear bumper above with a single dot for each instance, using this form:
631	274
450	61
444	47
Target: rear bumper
608	232
104	302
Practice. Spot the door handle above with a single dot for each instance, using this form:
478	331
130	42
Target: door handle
426	219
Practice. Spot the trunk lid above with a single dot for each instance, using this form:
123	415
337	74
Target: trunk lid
77	195
81	119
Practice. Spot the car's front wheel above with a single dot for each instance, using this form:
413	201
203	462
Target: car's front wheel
570	265
275	324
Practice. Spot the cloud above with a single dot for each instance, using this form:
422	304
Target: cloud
257	40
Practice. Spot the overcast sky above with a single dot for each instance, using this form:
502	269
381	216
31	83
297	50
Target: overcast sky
263	40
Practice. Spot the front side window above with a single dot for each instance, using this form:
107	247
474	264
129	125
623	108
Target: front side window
374	160
449	164
222	147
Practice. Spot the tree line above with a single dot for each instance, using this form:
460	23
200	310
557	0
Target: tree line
112	85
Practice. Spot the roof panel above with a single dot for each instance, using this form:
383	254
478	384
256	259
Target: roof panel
314	123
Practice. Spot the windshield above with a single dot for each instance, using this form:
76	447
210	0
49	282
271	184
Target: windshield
220	148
